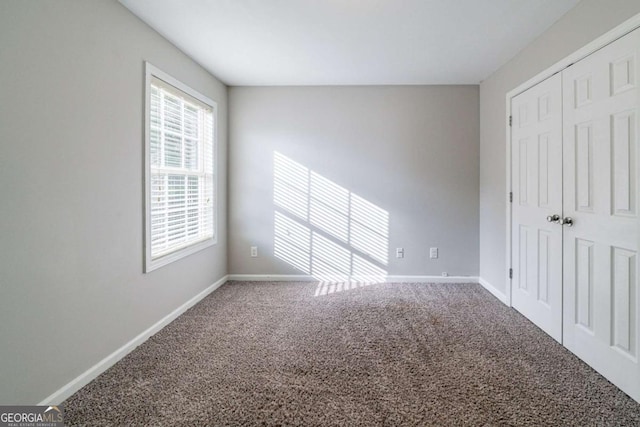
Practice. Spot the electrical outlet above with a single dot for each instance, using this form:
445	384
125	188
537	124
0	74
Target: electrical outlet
445	274
254	252
433	253
399	252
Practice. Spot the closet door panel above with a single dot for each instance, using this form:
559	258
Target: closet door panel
537	194
600	187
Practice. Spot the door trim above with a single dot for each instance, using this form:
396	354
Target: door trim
621	30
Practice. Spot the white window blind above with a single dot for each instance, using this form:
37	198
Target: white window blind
181	181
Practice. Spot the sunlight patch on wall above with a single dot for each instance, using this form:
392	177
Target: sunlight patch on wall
324	230
329	207
292	242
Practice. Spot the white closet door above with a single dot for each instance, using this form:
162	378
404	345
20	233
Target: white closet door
537	194
601	298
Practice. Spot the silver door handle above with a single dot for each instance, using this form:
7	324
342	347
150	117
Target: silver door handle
553	218
568	221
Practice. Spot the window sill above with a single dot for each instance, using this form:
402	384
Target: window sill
153	264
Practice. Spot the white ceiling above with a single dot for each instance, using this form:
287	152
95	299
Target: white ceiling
350	42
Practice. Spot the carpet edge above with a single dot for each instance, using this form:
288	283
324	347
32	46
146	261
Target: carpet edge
390	279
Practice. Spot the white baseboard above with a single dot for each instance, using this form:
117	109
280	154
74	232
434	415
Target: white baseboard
273	277
308	278
432	279
496	293
86	377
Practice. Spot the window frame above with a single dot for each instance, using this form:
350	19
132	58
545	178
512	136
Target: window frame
151	264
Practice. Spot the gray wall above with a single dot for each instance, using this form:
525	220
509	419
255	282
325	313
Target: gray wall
410	150
71	129
588	20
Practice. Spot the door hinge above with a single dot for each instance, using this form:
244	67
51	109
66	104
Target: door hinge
510	120
511	197
511	273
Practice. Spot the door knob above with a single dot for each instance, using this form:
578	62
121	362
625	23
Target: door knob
553	218
568	221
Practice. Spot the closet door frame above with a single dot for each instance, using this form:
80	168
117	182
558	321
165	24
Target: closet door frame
621	30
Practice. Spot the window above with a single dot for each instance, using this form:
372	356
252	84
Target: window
180	170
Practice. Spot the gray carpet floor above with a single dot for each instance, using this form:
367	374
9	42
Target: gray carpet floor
380	355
